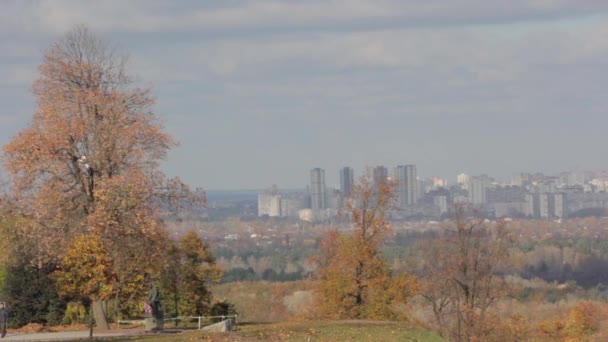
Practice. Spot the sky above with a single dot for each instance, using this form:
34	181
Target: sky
260	92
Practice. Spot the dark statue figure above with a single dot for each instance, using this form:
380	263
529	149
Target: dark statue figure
154	300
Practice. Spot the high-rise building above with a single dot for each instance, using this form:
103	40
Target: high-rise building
380	174
317	189
477	190
559	202
407	184
442	203
532	208
545	205
347	178
269	202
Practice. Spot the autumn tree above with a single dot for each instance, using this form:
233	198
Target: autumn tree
354	280
461	268
87	271
187	274
88	163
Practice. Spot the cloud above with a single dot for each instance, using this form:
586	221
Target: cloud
57	16
316	81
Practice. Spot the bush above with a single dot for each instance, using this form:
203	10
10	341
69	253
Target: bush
222	308
32	296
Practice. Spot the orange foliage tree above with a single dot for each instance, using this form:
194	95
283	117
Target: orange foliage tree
88	163
354	280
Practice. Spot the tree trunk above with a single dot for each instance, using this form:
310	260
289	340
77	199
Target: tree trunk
100	315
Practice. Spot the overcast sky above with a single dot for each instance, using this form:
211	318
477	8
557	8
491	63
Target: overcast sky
260	92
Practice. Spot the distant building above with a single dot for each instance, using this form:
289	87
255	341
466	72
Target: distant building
317	189
333	199
439	182
559	202
347	180
269	202
380	174
531	208
477	190
316	216
306	215
442	203
505	194
291	205
545	205
463	180
599	184
578	177
407	185
520	179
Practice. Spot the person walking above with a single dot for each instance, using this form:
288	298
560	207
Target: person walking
3	319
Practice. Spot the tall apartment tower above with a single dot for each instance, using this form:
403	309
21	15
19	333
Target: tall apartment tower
477	190
317	188
559	201
407	185
347	179
380	174
269	202
545	205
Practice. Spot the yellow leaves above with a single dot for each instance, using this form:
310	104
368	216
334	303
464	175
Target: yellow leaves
86	269
518	327
583	319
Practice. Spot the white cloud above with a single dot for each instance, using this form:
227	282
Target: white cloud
413	75
57	16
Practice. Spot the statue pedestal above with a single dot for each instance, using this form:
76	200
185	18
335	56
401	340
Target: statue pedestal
153	324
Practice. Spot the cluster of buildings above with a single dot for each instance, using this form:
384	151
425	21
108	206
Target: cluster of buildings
320	202
526	195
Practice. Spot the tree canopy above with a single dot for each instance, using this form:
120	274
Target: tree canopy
88	163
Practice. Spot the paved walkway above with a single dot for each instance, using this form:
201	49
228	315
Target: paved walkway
65	335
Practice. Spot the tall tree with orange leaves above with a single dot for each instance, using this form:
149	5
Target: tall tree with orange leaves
354	280
88	163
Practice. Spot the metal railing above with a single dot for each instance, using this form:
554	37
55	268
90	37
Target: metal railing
180	318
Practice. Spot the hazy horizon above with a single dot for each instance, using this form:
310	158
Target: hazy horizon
260	92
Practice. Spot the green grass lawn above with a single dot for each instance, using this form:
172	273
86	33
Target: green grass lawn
308	331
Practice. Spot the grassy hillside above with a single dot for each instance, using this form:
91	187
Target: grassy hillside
310	331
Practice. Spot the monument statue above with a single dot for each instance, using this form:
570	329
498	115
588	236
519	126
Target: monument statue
154	300
154	320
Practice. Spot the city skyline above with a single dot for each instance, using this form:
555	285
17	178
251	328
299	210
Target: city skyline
527	195
404	174
278	88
